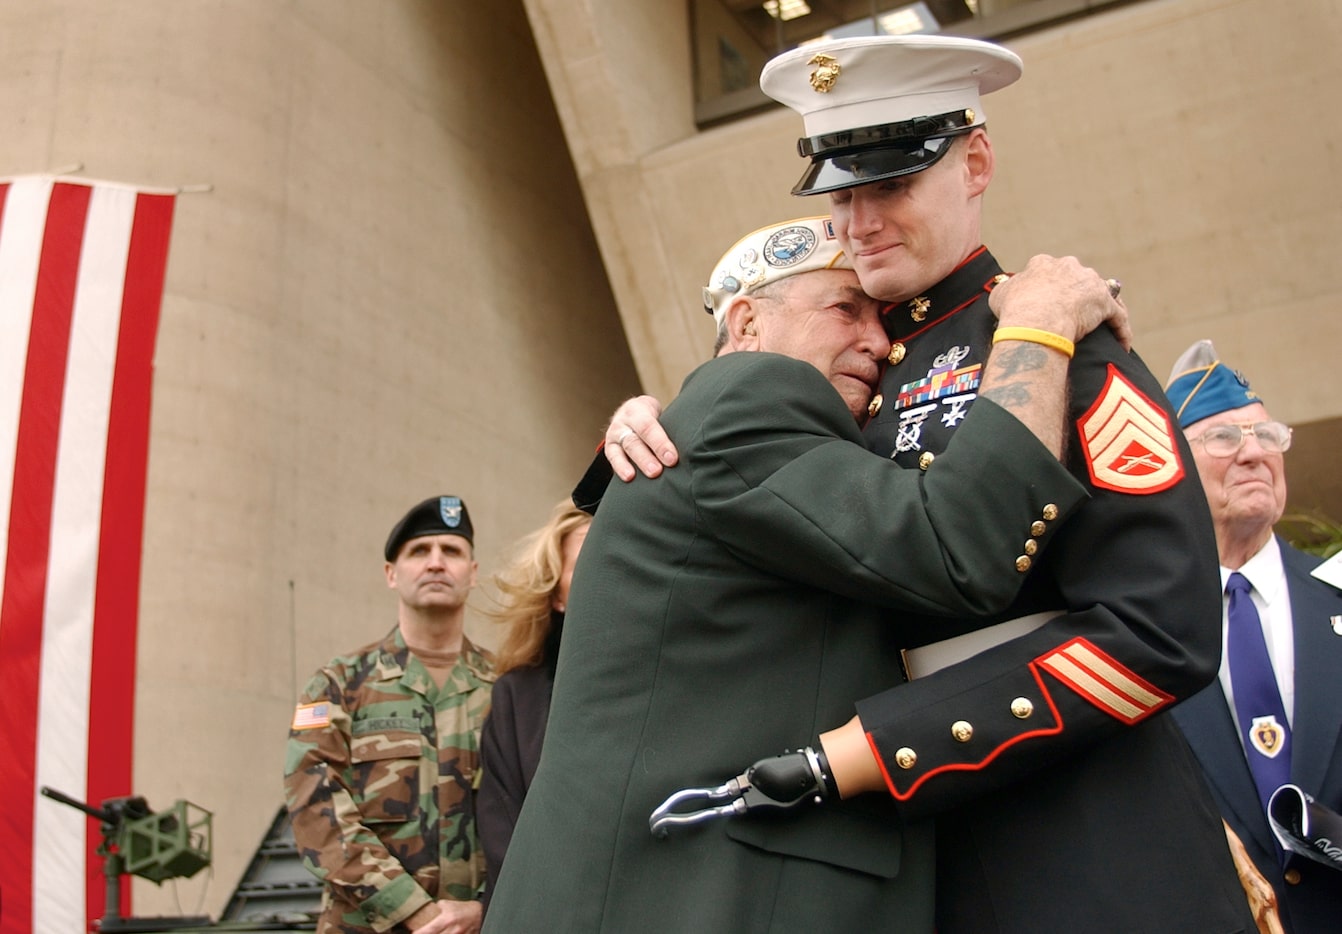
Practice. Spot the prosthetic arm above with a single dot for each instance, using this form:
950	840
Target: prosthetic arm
776	783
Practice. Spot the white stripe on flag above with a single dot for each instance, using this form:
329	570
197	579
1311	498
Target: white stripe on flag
63	700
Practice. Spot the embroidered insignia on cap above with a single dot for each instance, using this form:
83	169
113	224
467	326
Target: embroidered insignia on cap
449	507
826	72
312	716
1102	680
1267	736
1128	442
789	246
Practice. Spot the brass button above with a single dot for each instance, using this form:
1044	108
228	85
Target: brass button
925	459
897	351
962	730
1292	876
970	116
1023	563
1050	512
1038	528
1021	708
905	757
1000	278
875	405
1031	546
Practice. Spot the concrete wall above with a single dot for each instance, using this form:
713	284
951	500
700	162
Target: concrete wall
391	291
1183	146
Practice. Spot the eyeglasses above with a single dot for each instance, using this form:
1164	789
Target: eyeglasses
1226	440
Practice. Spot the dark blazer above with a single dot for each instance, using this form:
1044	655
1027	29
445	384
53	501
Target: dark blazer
730	610
510	749
1309	894
1066	800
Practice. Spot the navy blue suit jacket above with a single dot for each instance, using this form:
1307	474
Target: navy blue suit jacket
1314	901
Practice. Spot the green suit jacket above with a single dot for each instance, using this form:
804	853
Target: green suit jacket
733	609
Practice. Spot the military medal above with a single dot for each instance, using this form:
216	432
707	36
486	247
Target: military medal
1267	736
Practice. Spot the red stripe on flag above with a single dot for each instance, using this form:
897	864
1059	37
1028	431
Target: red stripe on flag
22	608
116	605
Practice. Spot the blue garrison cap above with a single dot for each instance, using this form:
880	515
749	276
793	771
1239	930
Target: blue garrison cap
1201	386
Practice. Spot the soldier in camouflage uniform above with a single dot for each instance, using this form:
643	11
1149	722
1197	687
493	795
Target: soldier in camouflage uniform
382	762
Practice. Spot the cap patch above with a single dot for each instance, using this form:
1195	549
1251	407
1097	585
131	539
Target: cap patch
1102	680
449	507
789	246
1128	441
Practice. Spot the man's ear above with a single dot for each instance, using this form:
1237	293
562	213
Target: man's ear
979	162
743	324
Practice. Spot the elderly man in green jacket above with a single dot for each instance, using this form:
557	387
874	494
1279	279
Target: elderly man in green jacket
748	591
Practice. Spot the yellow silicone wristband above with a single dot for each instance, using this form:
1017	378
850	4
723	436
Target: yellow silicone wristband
1036	336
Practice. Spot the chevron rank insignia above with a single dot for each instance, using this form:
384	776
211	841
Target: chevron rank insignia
1104	681
1128	441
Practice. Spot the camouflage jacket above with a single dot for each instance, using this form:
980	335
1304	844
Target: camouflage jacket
380	777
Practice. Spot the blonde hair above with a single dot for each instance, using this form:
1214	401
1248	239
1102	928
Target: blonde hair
526	588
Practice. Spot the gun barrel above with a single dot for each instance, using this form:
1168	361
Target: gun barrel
63	798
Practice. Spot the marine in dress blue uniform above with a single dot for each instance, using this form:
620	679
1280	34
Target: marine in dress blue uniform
1064	794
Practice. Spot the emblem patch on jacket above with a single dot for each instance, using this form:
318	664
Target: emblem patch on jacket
1104	681
1128	441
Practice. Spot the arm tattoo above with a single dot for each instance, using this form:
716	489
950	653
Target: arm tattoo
1010	396
1016	360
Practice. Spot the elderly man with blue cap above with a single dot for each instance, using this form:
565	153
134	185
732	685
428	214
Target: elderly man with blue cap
1065	798
1274	717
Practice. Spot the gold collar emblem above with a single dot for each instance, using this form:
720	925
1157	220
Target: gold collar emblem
918	308
826	72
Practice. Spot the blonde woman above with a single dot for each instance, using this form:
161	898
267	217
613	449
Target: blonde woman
534	594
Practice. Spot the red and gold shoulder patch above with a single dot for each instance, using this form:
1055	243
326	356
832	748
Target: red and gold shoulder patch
1104	681
1128	441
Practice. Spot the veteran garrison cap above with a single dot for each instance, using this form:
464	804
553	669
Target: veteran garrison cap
1201	386
770	254
437	515
877	107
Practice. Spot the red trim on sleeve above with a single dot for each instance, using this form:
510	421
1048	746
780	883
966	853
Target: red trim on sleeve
986	760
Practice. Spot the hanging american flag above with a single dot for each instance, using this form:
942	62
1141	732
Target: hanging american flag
81	280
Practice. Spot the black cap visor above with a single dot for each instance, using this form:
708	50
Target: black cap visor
840	169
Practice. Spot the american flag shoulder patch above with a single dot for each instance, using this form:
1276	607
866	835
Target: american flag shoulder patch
1103	681
312	716
1128	441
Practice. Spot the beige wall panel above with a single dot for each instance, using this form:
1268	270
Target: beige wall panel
392	290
